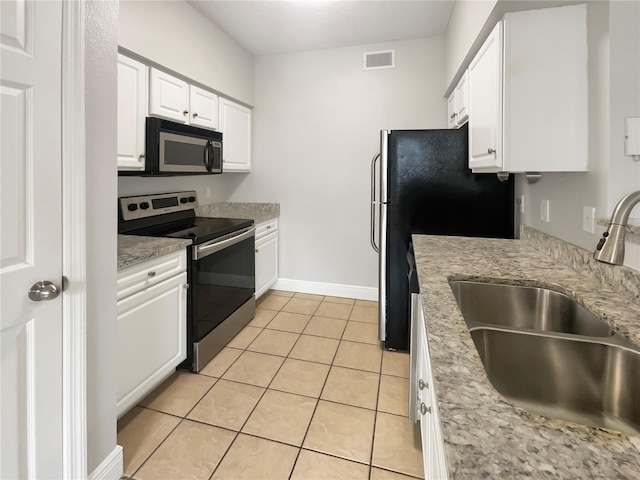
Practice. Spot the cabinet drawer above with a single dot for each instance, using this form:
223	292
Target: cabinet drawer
151	272
265	228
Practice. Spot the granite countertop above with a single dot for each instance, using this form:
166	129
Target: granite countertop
258	212
134	249
484	435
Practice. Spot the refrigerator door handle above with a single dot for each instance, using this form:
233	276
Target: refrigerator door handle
373	202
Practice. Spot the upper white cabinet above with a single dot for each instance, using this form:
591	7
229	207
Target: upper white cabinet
528	98
485	99
203	108
176	100
133	81
169	97
235	125
458	103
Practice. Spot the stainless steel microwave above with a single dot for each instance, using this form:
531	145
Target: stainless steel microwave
176	149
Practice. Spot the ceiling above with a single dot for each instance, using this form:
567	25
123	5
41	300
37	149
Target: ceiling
269	27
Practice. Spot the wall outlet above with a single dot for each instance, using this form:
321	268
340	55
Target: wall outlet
545	213
207	192
589	219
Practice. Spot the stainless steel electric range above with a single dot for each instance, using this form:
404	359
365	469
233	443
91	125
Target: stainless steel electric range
220	270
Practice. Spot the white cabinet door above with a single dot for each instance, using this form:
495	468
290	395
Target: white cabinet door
150	339
235	125
169	97
451	110
462	100
485	101
203	108
266	263
133	99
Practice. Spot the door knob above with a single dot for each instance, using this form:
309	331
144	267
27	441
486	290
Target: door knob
43	291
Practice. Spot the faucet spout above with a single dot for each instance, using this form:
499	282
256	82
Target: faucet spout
610	248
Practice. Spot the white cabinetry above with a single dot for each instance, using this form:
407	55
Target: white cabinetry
150	327
423	406
528	97
235	125
133	98
458	103
266	256
176	100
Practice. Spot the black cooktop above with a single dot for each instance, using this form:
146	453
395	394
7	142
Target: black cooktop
198	229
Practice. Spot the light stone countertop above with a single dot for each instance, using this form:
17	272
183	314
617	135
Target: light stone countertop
133	249
484	435
258	212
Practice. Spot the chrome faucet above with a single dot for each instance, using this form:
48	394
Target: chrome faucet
610	248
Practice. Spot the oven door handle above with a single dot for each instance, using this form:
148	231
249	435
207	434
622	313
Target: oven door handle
214	246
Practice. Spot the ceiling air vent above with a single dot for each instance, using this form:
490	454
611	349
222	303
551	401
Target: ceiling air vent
378	60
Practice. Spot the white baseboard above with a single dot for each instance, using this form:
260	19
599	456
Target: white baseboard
111	467
331	289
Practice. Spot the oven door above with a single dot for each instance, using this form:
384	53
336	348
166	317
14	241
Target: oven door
186	154
223	280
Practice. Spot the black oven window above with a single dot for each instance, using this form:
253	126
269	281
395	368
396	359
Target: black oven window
178	153
223	282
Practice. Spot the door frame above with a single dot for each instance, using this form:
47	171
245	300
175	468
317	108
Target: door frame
74	298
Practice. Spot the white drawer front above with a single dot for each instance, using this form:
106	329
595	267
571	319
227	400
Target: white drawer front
266	228
151	272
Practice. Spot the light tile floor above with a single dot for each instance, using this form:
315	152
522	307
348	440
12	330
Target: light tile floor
303	392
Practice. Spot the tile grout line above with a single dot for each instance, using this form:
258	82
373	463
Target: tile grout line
317	403
253	410
375	418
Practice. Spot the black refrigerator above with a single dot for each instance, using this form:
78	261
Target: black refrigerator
421	183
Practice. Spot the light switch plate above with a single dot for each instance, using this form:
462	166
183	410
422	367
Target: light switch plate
588	219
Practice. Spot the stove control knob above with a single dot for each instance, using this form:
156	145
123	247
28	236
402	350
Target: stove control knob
192	199
144	205
132	207
184	200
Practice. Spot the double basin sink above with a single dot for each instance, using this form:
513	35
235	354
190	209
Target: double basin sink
549	355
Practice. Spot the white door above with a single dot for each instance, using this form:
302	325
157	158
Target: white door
30	205
169	97
235	125
204	108
133	102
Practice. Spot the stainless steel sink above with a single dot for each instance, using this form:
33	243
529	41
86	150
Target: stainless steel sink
561	362
525	307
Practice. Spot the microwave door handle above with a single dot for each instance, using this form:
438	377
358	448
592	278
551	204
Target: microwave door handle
208	156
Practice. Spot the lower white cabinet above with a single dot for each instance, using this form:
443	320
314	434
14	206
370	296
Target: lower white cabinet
423	405
151	326
266	256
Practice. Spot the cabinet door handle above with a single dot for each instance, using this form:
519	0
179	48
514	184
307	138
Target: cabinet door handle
257	250
185	113
151	274
453	115
141	156
185	286
422	384
195	115
424	409
491	150
268	227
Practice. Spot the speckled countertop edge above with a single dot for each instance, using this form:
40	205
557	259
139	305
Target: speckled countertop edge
484	435
133	249
258	212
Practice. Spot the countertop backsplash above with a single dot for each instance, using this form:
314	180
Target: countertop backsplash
623	280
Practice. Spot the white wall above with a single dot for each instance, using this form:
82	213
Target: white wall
100	123
316	127
467	19
177	36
